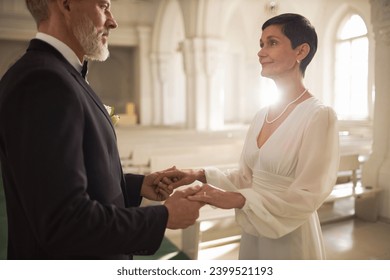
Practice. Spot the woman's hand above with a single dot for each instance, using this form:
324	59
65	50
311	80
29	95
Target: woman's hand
219	198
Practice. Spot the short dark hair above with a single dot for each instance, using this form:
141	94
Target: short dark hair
298	30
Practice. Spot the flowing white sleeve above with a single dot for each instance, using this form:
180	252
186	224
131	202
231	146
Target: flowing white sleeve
272	212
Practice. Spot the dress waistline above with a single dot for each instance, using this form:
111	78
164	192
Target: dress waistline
263	180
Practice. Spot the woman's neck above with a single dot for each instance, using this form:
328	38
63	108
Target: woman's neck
290	91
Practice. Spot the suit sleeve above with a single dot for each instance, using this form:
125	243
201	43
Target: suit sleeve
133	188
49	171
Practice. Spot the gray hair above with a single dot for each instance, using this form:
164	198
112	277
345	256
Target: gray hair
39	9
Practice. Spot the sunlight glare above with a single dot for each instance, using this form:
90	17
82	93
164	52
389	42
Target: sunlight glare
268	92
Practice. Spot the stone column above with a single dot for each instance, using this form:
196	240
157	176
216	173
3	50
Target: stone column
161	69
203	60
376	171
214	66
144	98
156	110
196	83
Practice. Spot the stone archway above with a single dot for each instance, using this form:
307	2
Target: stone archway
169	95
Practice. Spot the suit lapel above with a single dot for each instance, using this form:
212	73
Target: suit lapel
93	96
40	45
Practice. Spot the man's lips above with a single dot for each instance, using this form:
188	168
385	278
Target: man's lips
105	37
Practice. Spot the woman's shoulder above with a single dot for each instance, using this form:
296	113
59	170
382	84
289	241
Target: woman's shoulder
318	111
316	106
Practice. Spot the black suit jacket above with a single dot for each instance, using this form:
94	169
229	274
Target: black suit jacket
66	195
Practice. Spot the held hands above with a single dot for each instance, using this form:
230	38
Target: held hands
153	189
159	185
172	178
181	211
183	205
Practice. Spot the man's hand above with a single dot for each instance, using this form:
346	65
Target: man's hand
178	177
154	189
182	212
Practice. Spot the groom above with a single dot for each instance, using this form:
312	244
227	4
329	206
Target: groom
66	195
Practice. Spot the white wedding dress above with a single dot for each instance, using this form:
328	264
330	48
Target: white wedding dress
284	183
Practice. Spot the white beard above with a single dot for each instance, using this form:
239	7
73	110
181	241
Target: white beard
90	40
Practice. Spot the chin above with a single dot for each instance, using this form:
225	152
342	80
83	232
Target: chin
100	54
265	74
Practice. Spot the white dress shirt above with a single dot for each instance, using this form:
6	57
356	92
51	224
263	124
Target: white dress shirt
67	52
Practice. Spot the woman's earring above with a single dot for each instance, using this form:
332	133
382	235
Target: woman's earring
298	61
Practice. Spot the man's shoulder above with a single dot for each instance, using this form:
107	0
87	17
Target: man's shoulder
35	62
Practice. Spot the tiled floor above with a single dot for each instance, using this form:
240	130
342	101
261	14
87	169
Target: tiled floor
354	239
350	239
346	237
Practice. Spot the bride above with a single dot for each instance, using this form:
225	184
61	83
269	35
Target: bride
290	158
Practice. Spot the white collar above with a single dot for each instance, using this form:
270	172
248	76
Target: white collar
67	52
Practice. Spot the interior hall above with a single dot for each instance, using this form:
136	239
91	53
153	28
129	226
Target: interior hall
184	77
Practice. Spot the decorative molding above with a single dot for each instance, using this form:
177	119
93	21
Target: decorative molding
380	17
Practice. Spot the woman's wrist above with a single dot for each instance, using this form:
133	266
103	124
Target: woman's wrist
201	176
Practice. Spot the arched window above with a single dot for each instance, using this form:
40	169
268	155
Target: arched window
351	69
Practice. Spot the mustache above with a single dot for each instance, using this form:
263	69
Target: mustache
104	32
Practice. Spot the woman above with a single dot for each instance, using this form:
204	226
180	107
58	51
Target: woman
290	157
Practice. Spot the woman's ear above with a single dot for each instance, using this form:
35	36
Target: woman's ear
303	51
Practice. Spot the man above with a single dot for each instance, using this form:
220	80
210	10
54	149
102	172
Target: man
66	195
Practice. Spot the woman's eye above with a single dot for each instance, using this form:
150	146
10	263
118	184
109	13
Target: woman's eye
268	44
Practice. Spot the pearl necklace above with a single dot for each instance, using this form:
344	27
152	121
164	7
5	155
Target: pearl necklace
285	108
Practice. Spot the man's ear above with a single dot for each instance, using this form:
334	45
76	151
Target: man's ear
66	4
63	5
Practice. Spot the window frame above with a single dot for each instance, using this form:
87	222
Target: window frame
370	85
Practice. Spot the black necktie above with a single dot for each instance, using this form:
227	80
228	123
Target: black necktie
84	69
